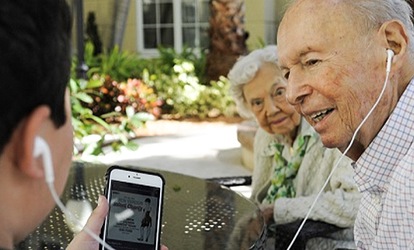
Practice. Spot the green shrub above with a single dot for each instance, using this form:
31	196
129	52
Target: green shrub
124	91
118	96
185	96
119	65
174	80
92	132
169	58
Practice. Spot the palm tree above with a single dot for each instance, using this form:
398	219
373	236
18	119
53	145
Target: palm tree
121	15
227	37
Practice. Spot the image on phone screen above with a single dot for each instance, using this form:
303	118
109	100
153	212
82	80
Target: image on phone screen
132	217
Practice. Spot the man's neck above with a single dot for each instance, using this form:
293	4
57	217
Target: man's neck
355	151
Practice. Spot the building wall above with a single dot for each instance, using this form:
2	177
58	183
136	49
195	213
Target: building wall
262	19
281	6
105	14
255	21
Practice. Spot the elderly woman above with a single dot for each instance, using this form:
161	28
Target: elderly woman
290	163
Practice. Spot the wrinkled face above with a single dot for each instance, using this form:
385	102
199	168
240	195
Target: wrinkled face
334	75
266	97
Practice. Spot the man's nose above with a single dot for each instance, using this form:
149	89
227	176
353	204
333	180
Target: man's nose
297	90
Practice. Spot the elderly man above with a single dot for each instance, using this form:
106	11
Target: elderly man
334	54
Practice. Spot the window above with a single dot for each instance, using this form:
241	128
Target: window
172	23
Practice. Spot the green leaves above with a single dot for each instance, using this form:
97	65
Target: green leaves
92	132
125	91
178	82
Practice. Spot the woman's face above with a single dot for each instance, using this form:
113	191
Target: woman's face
265	95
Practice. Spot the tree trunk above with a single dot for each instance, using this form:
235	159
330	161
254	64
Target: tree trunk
121	16
227	37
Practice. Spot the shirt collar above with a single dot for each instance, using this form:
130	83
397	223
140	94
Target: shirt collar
374	167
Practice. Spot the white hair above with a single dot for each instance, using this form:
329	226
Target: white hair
373	13
244	70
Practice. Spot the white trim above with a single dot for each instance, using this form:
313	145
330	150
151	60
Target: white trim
178	31
140	22
177	26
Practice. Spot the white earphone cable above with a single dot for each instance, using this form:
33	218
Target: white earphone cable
73	218
343	154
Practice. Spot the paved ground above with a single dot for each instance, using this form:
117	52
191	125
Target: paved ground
200	149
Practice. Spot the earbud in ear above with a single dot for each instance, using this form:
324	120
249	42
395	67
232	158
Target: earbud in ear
41	148
390	55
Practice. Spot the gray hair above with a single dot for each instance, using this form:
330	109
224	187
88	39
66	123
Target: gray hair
373	13
376	12
244	70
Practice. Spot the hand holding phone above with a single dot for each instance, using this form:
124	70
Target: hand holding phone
135	207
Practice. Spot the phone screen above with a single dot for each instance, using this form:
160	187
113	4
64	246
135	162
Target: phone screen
133	215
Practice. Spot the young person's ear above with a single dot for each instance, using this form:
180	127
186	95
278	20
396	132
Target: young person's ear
35	125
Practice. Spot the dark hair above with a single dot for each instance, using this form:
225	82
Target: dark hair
34	60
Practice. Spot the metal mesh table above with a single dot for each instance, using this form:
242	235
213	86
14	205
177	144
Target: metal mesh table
197	214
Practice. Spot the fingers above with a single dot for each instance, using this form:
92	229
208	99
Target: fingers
267	213
98	215
164	247
83	240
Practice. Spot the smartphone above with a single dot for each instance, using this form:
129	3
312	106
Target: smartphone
135	207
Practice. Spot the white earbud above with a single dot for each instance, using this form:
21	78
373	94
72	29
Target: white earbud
390	55
41	148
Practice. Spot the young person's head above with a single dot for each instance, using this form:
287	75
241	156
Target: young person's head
34	102
34	62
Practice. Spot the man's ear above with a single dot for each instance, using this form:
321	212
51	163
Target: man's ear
395	38
36	124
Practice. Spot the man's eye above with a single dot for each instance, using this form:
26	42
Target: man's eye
286	75
312	62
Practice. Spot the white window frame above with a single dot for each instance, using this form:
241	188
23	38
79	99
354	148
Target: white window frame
177	29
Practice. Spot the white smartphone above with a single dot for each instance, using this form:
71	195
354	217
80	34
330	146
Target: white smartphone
135	207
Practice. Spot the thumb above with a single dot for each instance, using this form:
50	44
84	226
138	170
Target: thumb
98	215
83	240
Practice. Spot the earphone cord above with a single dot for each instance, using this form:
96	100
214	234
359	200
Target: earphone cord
73	218
340	158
